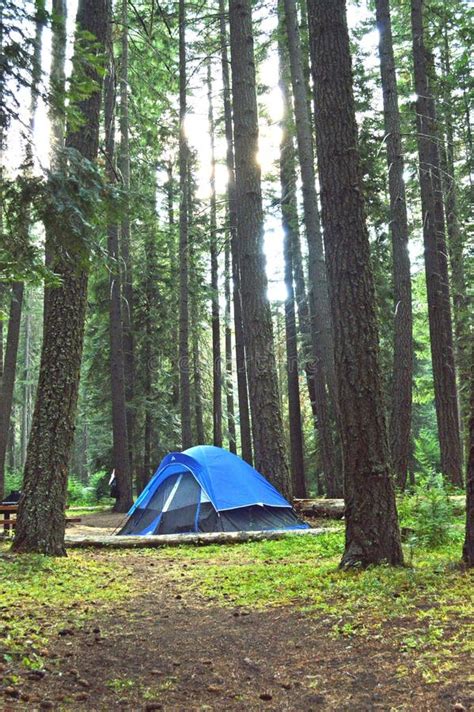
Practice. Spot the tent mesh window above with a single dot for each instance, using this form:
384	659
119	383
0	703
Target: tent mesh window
179	510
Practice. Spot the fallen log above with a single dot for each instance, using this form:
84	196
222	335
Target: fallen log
162	540
327	508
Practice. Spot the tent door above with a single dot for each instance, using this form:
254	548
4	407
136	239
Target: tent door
179	513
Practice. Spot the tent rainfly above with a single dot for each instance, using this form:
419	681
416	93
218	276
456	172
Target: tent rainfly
207	489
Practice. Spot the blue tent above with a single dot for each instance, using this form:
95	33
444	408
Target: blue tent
207	489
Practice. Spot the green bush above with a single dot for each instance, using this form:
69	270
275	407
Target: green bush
13	481
426	515
99	483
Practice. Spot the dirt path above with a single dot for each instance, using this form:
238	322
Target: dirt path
172	650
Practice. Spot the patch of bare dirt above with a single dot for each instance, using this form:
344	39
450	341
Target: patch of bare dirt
171	650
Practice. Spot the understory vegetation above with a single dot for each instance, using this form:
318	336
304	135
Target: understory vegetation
425	608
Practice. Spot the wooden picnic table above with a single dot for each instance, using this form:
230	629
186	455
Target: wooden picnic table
8	513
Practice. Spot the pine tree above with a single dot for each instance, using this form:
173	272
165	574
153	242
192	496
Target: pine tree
400	421
372	533
41	521
267	426
436	264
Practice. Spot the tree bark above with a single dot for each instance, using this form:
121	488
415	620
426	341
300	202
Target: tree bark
468	548
229	381
400	421
127	264
267	426
121	461
41	521
461	306
321	328
436	265
8	379
215	317
372	532
240	357
26	386
184	365
289	211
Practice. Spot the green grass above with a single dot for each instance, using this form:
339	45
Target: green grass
424	609
39	595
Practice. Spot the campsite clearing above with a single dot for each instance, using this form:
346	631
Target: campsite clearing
259	626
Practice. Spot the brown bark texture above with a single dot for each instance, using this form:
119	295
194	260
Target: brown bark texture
7	383
41	520
289	213
401	406
240	359
267	426
121	461
436	261
324	392
468	548
372	532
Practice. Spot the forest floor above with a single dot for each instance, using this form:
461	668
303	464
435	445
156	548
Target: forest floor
256	626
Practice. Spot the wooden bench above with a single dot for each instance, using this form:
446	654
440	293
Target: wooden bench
8	514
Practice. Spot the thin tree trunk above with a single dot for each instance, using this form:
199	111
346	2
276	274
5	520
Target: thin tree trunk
289	212
468	548
229	381
121	462
436	265
216	328
184	382
240	358
57	114
372	532
461	307
127	265
41	521
321	329
26	387
400	421
174	345
267	426
149	360
8	380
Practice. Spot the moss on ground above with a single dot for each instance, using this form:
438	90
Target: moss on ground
425	610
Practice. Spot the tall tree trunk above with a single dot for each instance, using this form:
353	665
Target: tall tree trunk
400	421
121	462
289	212
127	265
149	349
321	328
240	358
229	381
58	80
267	426
26	386
468	549
57	114
372	533
216	328
436	264
41	521
172	255
461	306
184	383
8	380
